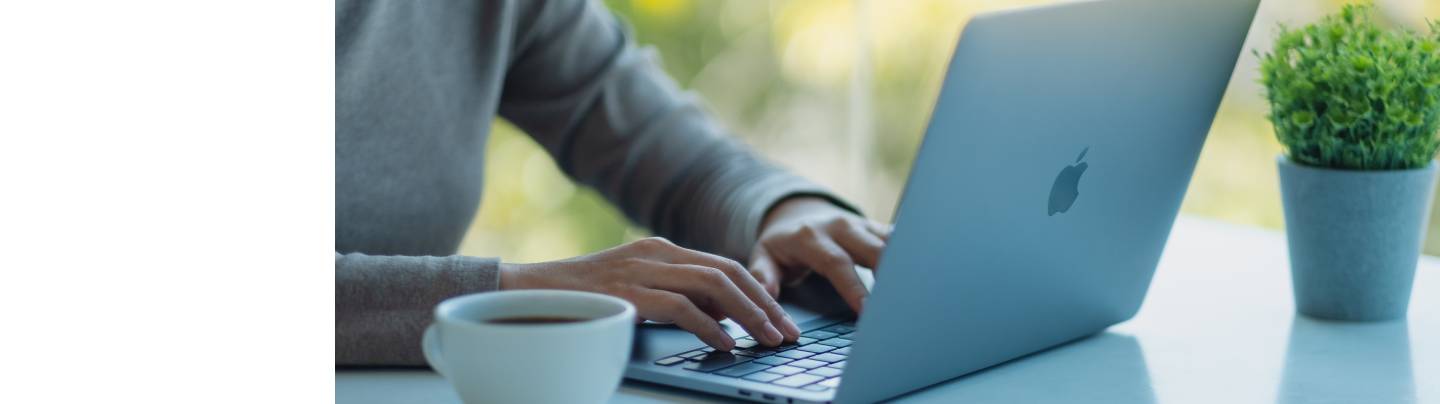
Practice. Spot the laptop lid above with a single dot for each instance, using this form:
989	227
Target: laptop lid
1055	162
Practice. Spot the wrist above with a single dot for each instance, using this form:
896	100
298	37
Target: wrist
794	205
512	276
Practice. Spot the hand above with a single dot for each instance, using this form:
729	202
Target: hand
667	283
805	234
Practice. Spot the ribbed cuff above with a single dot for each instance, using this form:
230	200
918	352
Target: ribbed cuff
752	203
475	274
383	303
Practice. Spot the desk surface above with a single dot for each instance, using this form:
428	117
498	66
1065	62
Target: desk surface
1218	326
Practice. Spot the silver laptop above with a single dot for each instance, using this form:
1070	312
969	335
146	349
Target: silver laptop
1056	158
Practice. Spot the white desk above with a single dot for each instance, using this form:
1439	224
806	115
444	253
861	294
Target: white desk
1217	327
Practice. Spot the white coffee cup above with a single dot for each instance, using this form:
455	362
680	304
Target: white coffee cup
505	362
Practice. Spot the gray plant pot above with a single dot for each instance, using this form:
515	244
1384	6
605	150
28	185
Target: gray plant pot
1355	238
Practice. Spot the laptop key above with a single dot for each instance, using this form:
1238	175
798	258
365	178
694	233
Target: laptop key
818	334
755	352
831	382
841	351
763	377
761	349
669	361
773	360
805	340
825	371
838	365
815	387
816	348
691	354
795	354
845	328
806	363
715	361
837	342
829	357
746	342
785	370
797	380
742	369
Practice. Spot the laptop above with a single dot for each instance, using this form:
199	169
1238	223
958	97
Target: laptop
1042	195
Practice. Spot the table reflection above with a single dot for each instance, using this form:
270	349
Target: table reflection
1347	363
1106	368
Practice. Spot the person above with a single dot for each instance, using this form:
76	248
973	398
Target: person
417	84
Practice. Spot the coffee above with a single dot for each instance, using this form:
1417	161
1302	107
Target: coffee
531	320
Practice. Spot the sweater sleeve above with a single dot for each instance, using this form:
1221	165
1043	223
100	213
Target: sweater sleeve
384	303
616	122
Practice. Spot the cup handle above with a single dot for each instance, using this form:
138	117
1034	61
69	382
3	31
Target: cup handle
430	345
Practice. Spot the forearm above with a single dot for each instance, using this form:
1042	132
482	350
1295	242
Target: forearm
615	121
720	204
383	303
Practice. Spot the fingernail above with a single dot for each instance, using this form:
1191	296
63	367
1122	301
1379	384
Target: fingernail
790	327
773	334
793	330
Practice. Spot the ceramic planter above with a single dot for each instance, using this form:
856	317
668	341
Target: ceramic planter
1355	238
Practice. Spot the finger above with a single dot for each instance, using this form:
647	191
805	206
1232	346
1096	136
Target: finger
763	268
822	255
711	289
863	246
711	310
879	229
748	285
673	307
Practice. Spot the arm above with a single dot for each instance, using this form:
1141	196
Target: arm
383	303
615	121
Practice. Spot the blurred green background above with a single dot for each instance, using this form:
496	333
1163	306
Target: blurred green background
840	91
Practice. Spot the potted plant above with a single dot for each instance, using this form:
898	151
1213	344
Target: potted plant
1356	109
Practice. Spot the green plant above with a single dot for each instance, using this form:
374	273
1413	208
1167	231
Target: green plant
1346	94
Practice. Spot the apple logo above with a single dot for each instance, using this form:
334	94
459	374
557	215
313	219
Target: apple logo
1067	185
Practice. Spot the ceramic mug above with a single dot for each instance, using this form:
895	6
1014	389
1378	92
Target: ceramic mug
488	357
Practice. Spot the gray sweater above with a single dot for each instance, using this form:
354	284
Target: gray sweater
417	84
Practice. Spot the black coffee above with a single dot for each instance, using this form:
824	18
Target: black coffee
535	320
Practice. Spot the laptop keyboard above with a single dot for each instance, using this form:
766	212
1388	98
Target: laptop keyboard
814	362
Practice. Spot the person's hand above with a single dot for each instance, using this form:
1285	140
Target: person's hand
667	283
805	234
